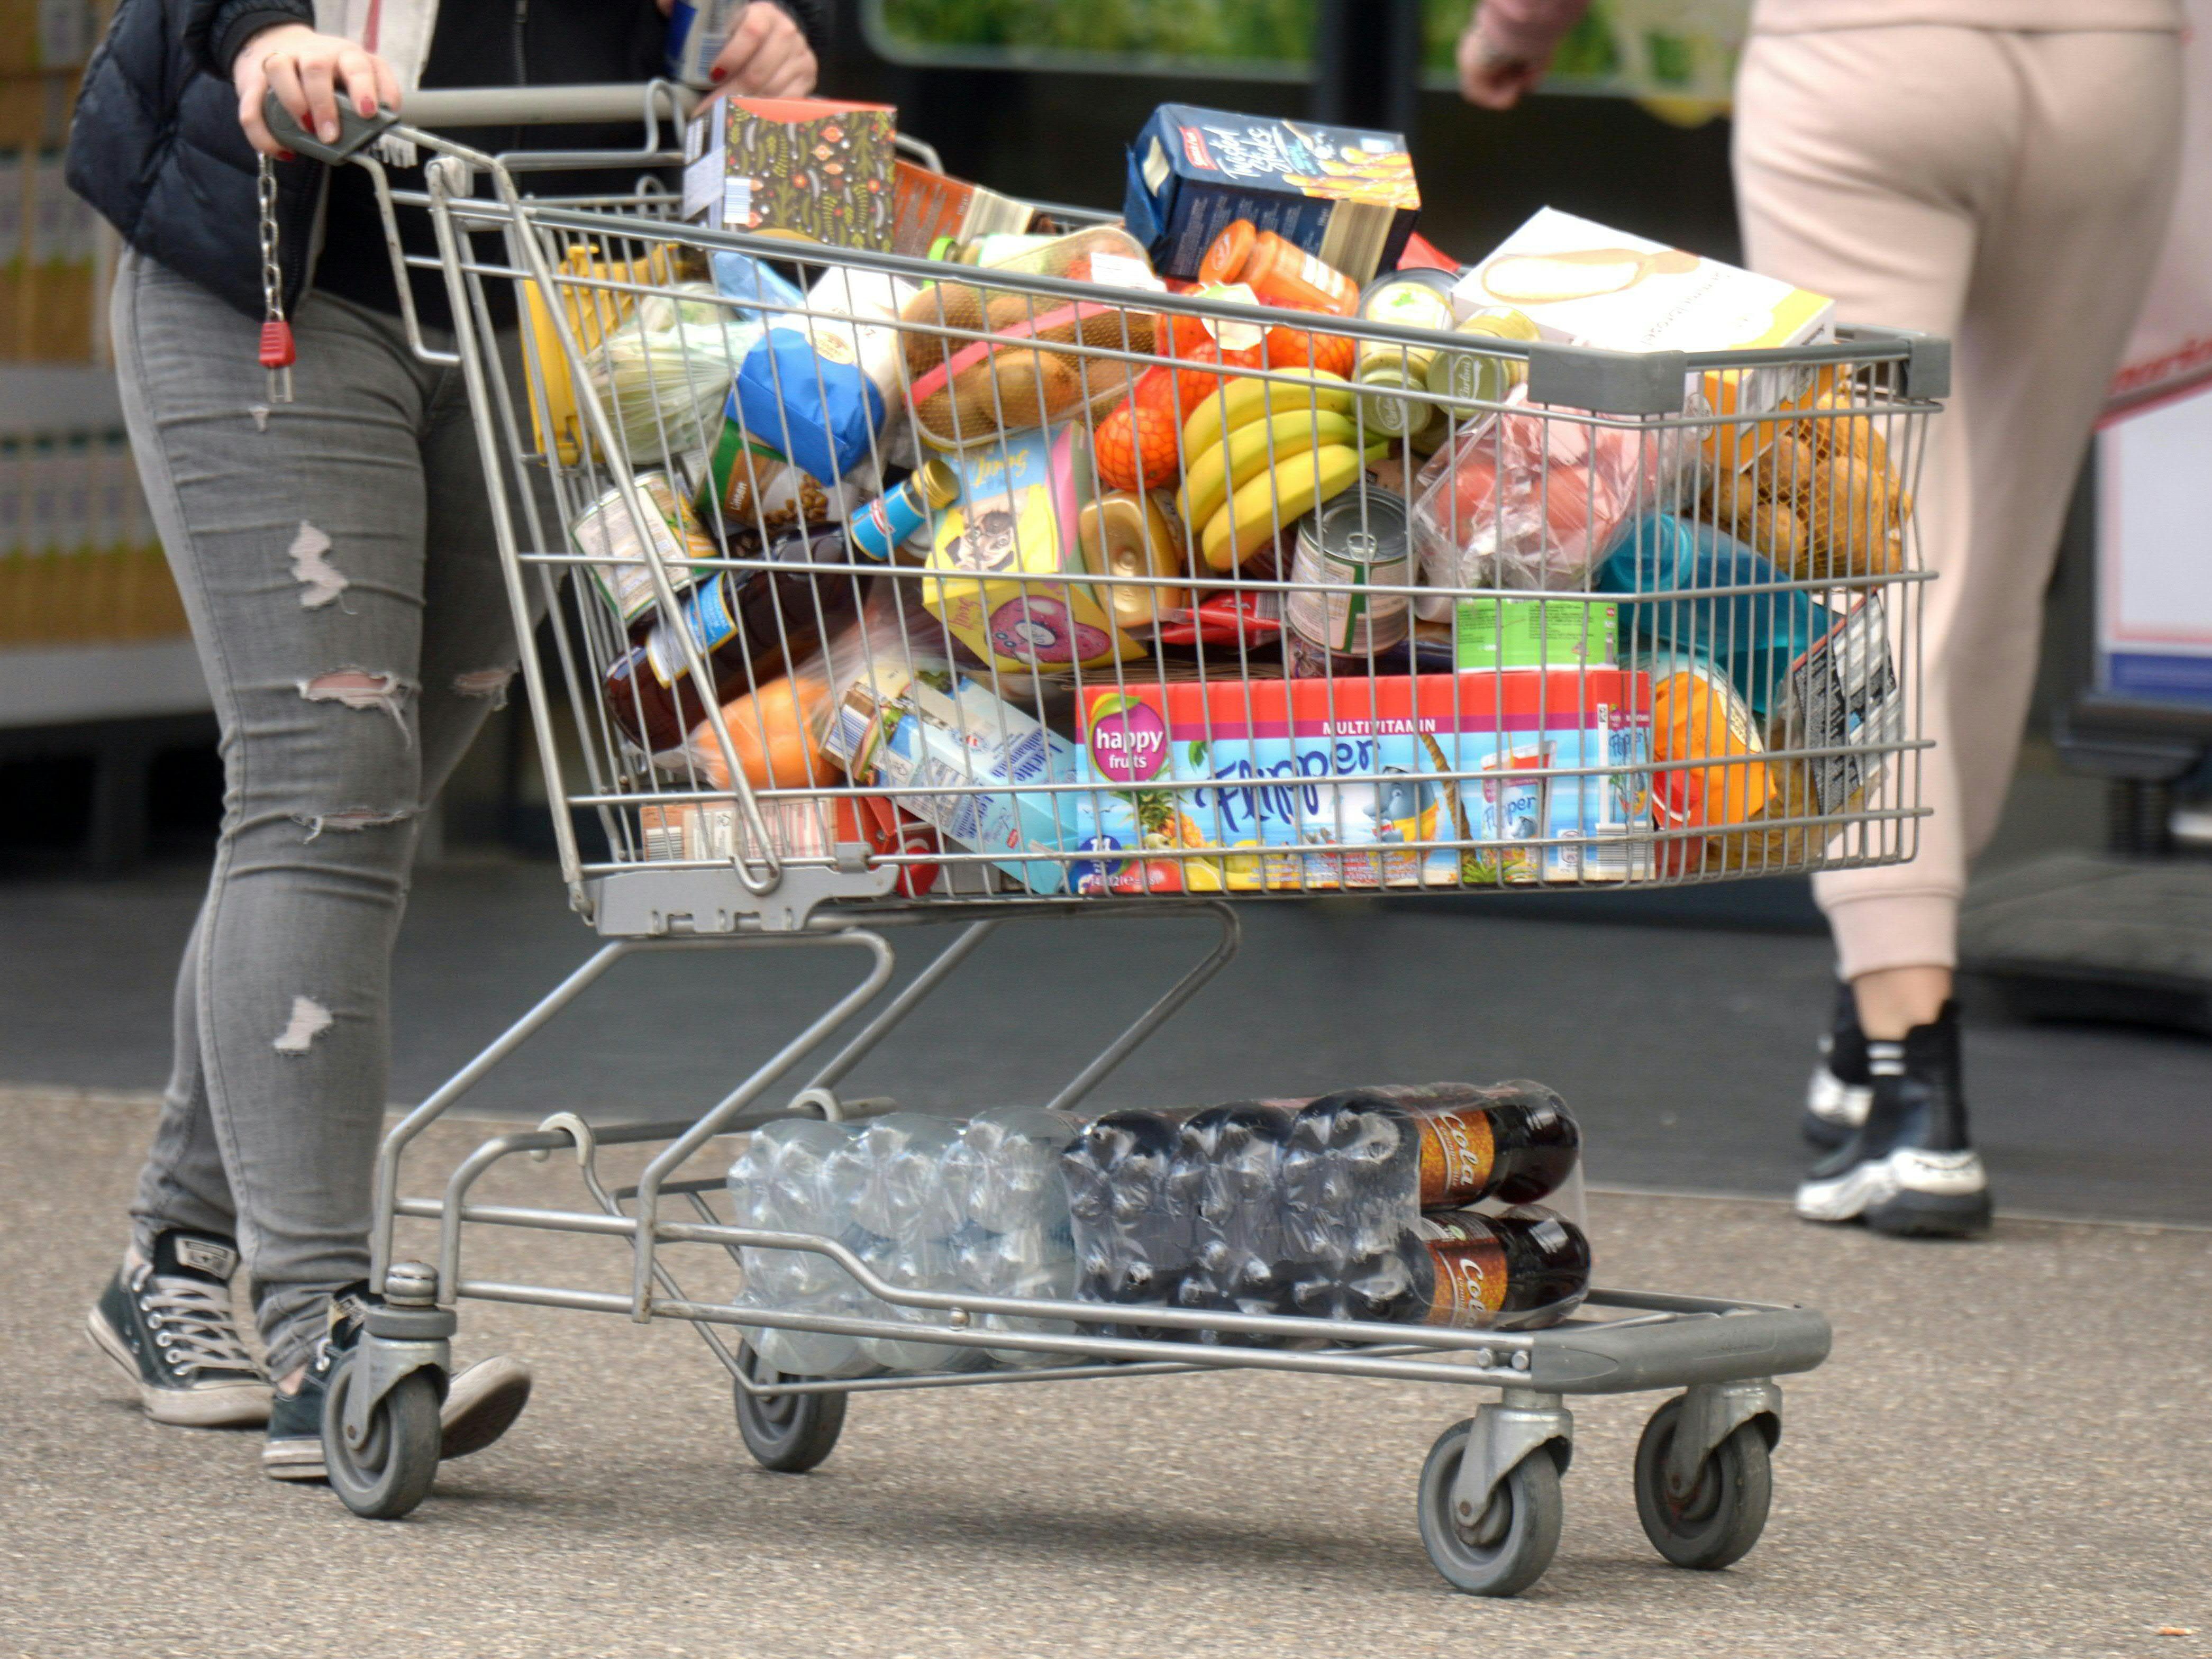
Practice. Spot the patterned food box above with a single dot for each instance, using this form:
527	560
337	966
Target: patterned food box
800	167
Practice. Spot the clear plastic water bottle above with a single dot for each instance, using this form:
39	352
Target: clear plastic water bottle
900	1188
929	1264
784	1181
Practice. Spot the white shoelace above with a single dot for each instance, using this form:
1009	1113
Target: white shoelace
195	1317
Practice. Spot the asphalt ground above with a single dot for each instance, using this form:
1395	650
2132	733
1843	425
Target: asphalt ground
1684	1050
2006	1454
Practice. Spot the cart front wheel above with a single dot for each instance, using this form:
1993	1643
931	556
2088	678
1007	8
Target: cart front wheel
1720	1518
1507	1547
789	1433
390	1472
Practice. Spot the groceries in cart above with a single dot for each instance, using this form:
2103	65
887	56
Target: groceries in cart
1198	592
1399	1206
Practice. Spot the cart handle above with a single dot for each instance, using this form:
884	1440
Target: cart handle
458	108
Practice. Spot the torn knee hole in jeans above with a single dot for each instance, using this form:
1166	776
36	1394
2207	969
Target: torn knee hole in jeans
489	683
358	818
310	1019
361	688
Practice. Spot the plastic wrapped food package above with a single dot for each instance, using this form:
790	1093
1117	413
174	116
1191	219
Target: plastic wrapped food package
665	370
1532	501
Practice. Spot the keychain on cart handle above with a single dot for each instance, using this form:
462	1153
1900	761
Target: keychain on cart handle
355	132
278	354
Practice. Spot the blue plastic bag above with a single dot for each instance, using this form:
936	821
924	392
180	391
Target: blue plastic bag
741	276
801	393
1752	637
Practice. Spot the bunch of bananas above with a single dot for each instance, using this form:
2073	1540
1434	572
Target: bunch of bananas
1259	454
1822	501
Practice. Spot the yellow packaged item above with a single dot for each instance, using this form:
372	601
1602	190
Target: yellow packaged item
593	313
1003	556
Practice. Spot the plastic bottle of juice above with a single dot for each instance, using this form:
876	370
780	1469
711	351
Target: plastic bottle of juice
1280	271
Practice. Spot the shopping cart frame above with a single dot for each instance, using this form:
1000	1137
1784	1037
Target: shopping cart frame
1489	1502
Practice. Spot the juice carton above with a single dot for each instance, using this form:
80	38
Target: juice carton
1345	195
1461	759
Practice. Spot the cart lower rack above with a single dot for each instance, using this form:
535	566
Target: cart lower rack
905	592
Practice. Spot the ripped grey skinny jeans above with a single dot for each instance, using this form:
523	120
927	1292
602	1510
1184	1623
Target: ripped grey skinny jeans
337	560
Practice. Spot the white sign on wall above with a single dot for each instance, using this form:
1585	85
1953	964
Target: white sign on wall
2154	453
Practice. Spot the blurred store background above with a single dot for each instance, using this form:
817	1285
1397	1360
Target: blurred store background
109	783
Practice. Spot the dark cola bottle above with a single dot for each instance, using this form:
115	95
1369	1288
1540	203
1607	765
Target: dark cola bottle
1228	1176
1525	1267
1369	1158
1132	1239
750	626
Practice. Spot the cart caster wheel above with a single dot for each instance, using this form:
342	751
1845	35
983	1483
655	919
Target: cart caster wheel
1724	1514
789	1433
390	1471
1507	1548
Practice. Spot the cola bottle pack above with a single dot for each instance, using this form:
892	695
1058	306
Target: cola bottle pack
1134	1236
1228	1173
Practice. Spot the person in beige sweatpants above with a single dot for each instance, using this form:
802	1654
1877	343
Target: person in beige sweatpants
1999	173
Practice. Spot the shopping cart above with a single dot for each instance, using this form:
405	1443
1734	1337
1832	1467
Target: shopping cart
1594	487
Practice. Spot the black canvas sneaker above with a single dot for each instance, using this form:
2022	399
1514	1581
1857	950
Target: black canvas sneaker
167	1323
1908	1168
1837	1097
481	1403
295	1448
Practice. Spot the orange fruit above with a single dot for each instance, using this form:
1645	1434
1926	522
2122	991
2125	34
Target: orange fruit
772	731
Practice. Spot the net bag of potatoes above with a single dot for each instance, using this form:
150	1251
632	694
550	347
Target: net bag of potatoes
1822	499
966	391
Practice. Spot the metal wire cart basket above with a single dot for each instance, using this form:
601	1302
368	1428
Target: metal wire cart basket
888	591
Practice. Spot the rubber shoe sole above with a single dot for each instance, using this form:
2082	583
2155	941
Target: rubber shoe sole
1931	1215
1911	1193
218	1405
299	1459
481	1404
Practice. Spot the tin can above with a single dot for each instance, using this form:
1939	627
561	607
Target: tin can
1348	547
603	530
1487	376
1387	370
696	30
878	528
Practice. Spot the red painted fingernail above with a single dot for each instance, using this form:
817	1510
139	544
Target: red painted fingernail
716	74
286	155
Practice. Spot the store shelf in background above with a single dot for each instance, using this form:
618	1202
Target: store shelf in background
58	685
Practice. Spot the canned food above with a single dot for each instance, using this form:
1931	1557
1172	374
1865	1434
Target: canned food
1484	376
604	532
1347	548
1387	370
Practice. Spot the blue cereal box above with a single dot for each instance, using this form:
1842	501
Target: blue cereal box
1345	195
1338	783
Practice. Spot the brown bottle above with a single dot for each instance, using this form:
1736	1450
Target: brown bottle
1472	1270
749	625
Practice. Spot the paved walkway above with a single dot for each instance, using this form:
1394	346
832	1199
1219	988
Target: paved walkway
2008	1455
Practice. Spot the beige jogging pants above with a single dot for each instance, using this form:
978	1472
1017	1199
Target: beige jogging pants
2010	191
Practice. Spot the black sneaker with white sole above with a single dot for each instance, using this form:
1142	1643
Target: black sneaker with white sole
1837	1097
168	1322
481	1403
1909	1167
295	1448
